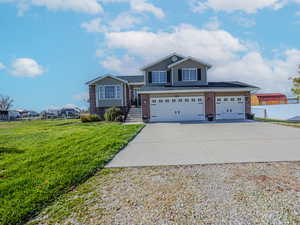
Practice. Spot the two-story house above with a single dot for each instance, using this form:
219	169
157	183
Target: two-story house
174	88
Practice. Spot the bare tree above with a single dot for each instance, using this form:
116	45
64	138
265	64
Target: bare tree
5	102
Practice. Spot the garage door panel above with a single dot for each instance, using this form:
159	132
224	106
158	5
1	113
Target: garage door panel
230	107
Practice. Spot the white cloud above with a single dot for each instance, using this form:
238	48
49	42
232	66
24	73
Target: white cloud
142	6
26	67
124	21
270	74
125	65
94	26
84	6
248	6
232	59
185	39
213	23
2	66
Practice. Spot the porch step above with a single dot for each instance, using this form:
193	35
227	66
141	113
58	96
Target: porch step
134	115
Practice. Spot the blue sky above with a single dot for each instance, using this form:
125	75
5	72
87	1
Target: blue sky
49	49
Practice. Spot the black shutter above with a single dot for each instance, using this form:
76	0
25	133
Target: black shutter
150	77
199	73
169	76
179	74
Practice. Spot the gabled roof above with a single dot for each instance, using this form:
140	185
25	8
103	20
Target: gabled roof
162	59
105	76
124	79
189	58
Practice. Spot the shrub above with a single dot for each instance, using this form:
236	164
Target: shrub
90	118
113	114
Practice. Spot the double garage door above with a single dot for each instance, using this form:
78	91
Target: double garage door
192	108
177	108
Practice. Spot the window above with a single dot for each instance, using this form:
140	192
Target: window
167	101
109	92
193	100
199	99
186	100
189	74
173	100
160	101
153	101
232	99
159	77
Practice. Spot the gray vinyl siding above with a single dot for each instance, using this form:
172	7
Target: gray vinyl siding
189	64
110	102
161	66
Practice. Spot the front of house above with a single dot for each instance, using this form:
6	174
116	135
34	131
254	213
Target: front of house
174	88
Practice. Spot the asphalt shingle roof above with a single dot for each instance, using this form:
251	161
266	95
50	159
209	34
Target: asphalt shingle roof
234	84
133	79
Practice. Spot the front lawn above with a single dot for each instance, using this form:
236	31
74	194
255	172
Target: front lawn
40	160
281	122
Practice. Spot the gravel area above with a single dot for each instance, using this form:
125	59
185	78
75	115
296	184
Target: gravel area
229	194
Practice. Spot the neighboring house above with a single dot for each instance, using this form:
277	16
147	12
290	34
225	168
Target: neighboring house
14	114
70	112
174	88
268	99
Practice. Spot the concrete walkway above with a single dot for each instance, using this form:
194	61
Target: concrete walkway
184	143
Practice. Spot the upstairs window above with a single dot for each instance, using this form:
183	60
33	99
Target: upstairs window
189	74
159	77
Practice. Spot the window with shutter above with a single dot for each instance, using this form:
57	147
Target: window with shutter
169	76
199	73
150	77
179	75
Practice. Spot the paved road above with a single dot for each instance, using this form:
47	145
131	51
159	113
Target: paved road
183	144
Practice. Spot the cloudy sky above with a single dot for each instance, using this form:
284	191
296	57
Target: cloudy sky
50	48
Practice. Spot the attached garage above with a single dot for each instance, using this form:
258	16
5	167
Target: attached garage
189	108
230	107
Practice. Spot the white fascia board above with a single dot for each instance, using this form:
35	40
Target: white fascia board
105	76
137	83
189	58
162	59
207	90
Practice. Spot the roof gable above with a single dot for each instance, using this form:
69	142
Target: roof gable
162	59
106	76
187	59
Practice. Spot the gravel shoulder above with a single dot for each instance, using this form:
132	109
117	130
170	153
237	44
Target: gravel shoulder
236	194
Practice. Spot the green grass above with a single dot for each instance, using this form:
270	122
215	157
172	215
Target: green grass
40	160
281	122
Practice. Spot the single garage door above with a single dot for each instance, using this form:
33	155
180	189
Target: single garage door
177	108
230	107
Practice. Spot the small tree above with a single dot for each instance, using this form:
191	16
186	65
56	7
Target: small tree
296	85
5	102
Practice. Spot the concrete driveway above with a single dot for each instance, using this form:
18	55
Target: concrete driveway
184	143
